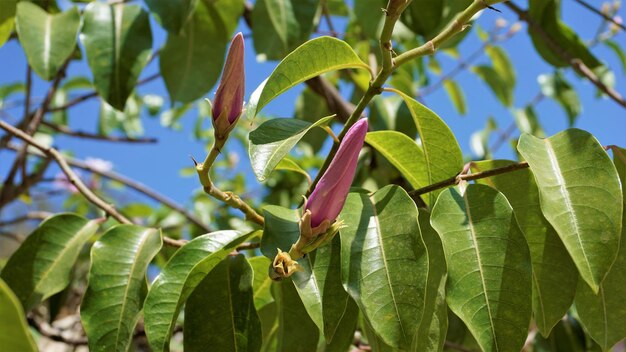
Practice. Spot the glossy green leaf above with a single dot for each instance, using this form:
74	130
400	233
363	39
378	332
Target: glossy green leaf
556	87
48	40
15	334
285	24
313	58
191	62
118	42
185	270
117	285
431	333
172	14
273	140
498	85
554	274
581	197
384	262
262	283
220	314
456	95
604	314
442	152
7	19
296	331
403	153
546	13
42	265
489	269
501	64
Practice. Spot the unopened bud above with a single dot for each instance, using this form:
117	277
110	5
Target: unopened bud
228	103
515	27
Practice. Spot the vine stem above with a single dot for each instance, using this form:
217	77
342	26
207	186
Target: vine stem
389	64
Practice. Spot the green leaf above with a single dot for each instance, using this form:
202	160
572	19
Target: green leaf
456	95
371	22
220	314
580	196
498	85
343	337
285	24
7	19
48	40
556	87
554	274
441	150
603	314
489	270
479	140
617	49
527	121
15	334
431	334
384	262
185	270
42	265
502	64
117	285
191	62
296	330
262	283
546	13
273	140
313	58
290	165
403	153
423	16
118	42
172	14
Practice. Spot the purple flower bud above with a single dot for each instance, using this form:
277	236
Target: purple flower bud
326	201
228	103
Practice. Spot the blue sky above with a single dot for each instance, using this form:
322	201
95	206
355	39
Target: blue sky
159	165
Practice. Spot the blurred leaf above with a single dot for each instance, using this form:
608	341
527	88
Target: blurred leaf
309	107
617	49
172	14
546	13
527	121
273	139
9	89
128	121
554	273
443	154
502	64
48	40
182	274
191	61
489	270
262	283
117	285
288	164
7	19
431	334
423	16
403	153
556	87
118	41
479	140
456	95
15	333
281	26
580	196
220	314
368	17
498	85
306	62
42	265
153	102
296	330
603	314
384	262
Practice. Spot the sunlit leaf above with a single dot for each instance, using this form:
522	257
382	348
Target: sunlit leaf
498	85
489	269
456	95
7	19
581	197
42	265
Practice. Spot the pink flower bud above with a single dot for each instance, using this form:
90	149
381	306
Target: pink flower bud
326	201
228	103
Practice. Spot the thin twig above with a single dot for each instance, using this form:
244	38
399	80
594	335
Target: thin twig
576	63
81	134
468	177
601	14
